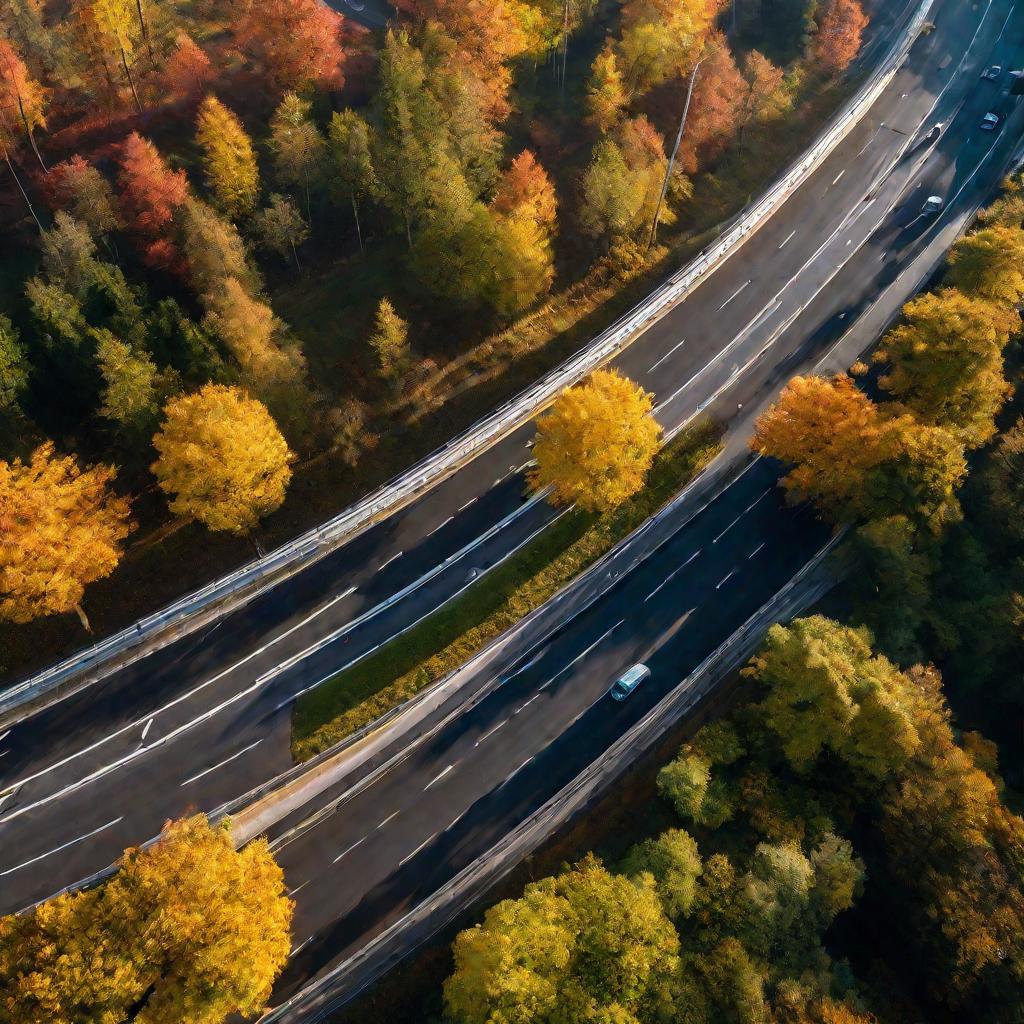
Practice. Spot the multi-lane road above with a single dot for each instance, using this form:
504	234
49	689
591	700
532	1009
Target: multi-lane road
208	718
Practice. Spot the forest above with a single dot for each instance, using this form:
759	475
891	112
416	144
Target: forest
245	245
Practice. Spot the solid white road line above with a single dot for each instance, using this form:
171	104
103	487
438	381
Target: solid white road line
462	508
426	842
789	238
527	704
455	821
227	760
4	735
145	732
390	817
292	892
438	778
755	551
347	851
674	348
301	946
80	839
838	177
733	296
512	775
719	585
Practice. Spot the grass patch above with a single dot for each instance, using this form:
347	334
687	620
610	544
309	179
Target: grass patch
450	636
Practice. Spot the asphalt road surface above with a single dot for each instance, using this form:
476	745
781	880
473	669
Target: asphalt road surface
208	718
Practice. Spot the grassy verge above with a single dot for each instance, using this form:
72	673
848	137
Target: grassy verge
446	639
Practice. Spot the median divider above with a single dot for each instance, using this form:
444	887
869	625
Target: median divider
230	592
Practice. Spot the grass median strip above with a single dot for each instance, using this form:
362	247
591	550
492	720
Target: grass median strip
355	697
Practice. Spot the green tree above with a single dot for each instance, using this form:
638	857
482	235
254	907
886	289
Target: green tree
352	176
130	380
827	690
989	264
389	341
298	147
597	443
944	362
14	367
69	255
281	228
606	92
587	946
229	160
674	861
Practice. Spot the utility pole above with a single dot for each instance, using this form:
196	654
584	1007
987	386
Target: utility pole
675	150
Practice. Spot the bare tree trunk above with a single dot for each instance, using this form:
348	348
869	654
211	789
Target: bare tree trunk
83	618
359	230
408	229
21	189
298	265
131	80
145	28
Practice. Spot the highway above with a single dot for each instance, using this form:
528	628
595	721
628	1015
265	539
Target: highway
206	719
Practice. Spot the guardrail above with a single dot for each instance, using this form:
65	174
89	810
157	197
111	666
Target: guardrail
344	982
234	590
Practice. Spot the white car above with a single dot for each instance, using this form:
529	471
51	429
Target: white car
990	122
628	682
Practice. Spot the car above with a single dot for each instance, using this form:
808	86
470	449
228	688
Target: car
934	132
628	682
992	74
990	122
933	204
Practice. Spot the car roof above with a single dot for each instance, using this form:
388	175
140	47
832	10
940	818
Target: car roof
633	674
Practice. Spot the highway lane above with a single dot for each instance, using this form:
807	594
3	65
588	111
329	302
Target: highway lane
245	739
398	840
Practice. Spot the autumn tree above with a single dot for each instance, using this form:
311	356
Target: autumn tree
187	71
597	443
130	381
76	187
350	169
221	458
21	92
114	28
229	160
989	264
281	228
606	91
254	336
572	943
661	38
944	362
14	367
856	460
1003	480
62	529
151	193
186	929
69	255
622	184
839	35
827	691
389	341
767	95
298	147
294	43
215	250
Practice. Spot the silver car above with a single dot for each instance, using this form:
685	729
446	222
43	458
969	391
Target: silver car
628	682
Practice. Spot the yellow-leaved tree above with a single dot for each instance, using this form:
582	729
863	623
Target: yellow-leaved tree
228	158
188	930
61	527
222	458
596	445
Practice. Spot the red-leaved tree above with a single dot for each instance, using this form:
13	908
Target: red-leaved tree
293	43
839	35
187	71
150	194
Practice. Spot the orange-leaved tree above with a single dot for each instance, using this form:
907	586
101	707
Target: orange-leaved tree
61	528
597	443
188	929
839	35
